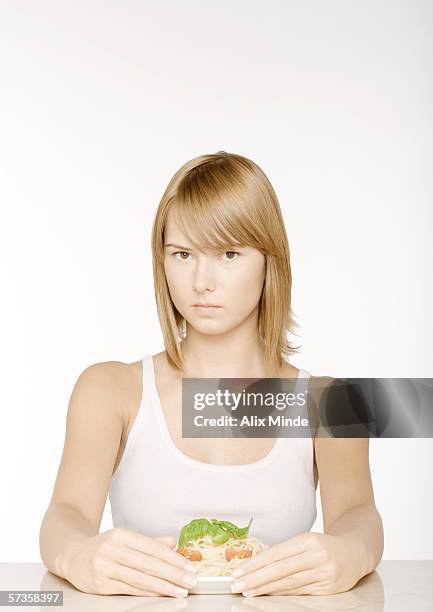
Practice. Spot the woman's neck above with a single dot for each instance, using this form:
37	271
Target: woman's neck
216	360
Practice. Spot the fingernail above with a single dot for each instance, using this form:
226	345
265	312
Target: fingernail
238	586
178	592
190	580
190	568
237	572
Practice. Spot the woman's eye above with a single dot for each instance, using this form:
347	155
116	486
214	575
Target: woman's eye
234	252
181	253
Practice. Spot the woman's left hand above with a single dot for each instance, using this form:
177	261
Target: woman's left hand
308	564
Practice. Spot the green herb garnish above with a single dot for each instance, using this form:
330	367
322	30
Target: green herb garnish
220	531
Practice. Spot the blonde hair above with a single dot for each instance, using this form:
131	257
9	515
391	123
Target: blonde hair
227	200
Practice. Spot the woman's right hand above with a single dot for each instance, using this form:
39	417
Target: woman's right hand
125	562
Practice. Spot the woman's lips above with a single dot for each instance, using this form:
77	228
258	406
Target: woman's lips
206	308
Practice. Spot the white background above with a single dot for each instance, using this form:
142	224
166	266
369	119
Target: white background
102	102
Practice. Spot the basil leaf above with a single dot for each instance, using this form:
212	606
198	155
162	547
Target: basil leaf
220	531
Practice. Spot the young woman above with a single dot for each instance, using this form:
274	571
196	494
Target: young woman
223	293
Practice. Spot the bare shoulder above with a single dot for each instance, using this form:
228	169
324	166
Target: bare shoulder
118	381
116	375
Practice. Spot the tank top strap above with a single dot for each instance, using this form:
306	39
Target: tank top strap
148	373
303	373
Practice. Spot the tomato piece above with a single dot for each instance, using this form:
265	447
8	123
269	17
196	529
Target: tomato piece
239	553
190	553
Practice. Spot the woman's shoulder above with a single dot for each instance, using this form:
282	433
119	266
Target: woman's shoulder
114	373
121	380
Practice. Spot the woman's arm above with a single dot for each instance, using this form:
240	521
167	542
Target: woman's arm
332	562
94	426
61	527
362	527
347	497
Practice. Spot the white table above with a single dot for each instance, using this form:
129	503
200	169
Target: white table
394	586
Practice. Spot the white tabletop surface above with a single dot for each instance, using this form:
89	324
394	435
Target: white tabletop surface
394	586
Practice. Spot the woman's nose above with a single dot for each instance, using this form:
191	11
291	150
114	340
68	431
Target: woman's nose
204	276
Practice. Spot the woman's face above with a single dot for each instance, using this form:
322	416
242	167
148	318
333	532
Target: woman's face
232	280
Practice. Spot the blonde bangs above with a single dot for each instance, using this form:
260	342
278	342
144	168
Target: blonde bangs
214	211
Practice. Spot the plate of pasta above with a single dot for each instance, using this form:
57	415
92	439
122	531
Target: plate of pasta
216	547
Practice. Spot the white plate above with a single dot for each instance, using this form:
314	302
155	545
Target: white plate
212	585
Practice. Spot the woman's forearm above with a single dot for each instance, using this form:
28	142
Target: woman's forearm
61	526
363	528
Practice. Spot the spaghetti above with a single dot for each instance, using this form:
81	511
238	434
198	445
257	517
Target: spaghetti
217	546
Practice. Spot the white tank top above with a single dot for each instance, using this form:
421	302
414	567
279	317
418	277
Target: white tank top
156	489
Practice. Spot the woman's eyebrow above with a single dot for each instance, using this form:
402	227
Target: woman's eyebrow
183	248
177	246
